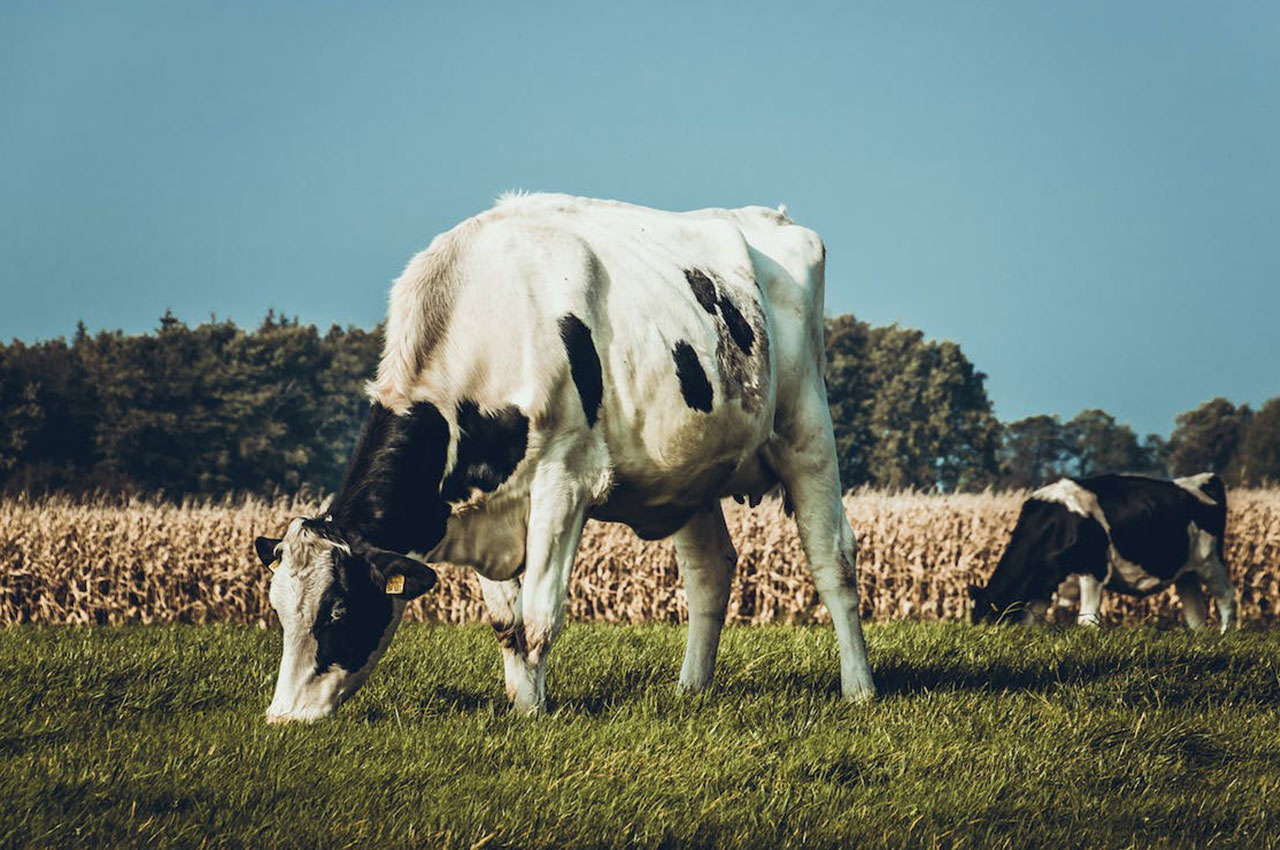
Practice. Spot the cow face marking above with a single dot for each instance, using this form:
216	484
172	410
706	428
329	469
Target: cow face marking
337	617
739	328
694	385
490	447
584	365
703	289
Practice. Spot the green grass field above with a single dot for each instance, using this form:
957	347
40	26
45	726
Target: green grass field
982	737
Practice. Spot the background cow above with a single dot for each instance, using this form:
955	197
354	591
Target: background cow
1125	533
555	359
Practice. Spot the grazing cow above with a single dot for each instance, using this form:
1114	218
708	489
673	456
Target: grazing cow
555	359
1126	533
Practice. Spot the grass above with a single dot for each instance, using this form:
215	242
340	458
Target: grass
982	737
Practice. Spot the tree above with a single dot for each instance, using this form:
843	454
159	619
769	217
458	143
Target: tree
1034	452
1206	439
1258	455
907	412
186	410
1097	444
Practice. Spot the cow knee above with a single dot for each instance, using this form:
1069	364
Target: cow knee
510	636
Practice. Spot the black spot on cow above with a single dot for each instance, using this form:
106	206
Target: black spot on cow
703	289
1148	521
490	447
584	365
694	385
739	328
390	495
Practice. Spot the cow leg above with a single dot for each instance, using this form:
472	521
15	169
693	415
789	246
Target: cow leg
502	599
1195	609
557	512
807	467
1224	593
1034	612
706	557
1090	601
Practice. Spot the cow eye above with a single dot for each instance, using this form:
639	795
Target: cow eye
337	612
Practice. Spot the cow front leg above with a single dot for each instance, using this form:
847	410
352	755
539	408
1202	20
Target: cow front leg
1090	601
502	600
706	557
557	512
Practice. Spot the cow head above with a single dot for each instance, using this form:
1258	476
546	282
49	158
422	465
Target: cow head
339	601
1008	608
984	610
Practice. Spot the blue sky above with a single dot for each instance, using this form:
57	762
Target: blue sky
1085	196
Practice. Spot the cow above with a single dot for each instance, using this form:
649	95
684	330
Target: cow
555	359
1126	533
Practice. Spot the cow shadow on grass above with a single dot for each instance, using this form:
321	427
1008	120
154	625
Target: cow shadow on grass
901	677
589	698
1223	679
1220	680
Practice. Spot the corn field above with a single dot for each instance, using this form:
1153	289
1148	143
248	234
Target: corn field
146	561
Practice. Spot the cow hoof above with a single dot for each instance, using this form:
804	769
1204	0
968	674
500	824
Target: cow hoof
860	693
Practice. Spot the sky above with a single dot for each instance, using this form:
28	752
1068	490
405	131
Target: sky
1085	195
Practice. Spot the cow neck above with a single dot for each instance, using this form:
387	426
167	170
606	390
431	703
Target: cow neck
390	495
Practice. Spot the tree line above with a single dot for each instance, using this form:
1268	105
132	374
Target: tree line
215	408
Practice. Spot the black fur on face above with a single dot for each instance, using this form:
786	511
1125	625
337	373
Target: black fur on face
356	610
353	616
983	610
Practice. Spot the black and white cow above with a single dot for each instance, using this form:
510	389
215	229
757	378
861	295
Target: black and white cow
1125	533
555	359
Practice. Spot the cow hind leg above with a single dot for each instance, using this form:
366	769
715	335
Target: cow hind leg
807	467
1195	609
706	557
502	600
1224	593
1090	601
557	512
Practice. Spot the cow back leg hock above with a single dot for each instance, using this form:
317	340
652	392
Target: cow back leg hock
807	467
1195	609
1223	591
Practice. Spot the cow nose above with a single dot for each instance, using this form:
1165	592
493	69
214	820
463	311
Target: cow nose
277	719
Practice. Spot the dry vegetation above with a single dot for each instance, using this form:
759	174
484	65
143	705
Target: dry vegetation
143	561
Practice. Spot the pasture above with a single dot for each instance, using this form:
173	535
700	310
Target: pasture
991	737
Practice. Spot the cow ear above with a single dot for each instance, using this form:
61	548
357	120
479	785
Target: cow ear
396	575
266	549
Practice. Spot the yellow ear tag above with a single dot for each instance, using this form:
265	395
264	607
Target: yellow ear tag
395	584
274	565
